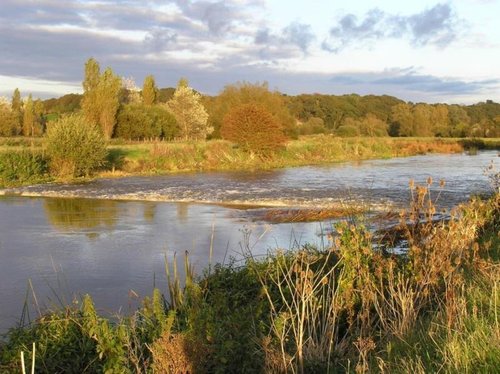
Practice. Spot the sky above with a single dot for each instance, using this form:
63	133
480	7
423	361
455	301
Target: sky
420	51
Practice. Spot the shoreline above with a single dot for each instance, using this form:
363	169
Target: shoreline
129	159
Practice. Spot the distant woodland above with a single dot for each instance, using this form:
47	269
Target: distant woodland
126	111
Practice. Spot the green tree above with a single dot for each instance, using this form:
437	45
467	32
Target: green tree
149	91
100	97
402	120
17	103
90	104
422	121
247	93
9	120
17	109
313	125
69	103
29	118
371	125
138	122
350	127
39	111
254	128
440	120
189	112
133	122
165	121
108	96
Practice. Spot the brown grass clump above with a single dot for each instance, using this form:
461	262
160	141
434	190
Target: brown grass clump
178	354
308	215
422	147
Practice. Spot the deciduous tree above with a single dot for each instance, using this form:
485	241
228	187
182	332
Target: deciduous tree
149	91
29	118
247	93
17	109
108	91
101	97
254	128
189	112
9	121
90	104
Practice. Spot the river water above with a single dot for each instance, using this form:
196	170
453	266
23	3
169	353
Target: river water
109	237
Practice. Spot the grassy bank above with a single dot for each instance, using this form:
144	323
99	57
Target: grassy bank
353	306
133	158
158	158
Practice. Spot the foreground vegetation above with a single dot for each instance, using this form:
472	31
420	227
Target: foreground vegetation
354	306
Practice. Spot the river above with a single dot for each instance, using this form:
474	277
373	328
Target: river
109	237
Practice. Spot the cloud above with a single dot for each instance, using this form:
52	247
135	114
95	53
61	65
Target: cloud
41	12
434	26
299	34
219	17
438	26
285	43
159	39
410	84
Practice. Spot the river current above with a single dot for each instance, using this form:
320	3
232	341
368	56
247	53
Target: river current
109	237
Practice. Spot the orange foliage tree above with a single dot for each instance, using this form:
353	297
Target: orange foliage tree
253	128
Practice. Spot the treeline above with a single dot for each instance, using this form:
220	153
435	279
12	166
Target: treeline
126	111
353	115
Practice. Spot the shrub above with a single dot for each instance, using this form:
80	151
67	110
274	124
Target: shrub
314	125
138	122
253	128
74	146
9	122
22	167
347	131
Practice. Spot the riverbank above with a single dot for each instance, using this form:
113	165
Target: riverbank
350	306
159	158
156	158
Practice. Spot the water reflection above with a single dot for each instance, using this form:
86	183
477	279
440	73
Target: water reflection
182	212
149	212
82	214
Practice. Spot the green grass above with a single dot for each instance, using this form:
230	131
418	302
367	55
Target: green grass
158	157
163	157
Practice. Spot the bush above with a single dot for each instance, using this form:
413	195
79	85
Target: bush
22	167
347	131
9	122
254	128
139	122
314	125
74	146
